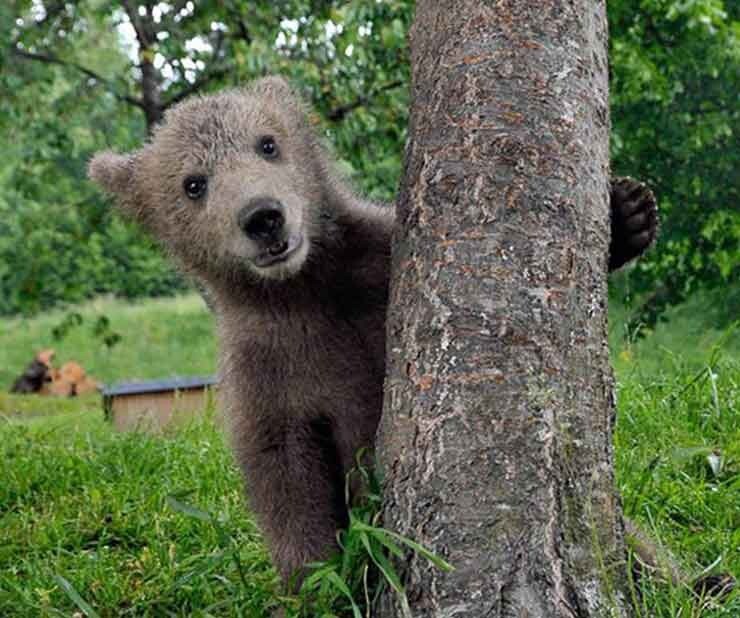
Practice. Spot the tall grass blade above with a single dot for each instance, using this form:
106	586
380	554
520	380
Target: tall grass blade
188	509
75	597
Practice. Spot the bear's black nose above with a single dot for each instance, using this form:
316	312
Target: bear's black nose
262	219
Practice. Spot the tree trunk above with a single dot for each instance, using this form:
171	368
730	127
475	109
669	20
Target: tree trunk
151	79
151	93
496	438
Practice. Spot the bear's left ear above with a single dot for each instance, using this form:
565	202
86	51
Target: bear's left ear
274	86
113	172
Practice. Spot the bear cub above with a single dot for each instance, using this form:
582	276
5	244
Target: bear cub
239	190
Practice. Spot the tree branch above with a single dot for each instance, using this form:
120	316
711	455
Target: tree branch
338	113
51	59
200	82
242	32
141	33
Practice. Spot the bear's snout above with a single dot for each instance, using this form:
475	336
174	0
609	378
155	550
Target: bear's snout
262	220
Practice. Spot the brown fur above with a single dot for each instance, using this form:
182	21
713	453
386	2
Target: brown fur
302	342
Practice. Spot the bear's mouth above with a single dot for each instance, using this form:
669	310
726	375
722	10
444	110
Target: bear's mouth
279	251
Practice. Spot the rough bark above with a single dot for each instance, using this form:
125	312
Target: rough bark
151	95
496	439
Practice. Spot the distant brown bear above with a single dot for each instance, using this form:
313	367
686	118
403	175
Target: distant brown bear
239	190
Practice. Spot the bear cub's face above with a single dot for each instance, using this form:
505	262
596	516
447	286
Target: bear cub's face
229	183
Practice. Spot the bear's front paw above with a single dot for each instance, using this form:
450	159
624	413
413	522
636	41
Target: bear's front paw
634	216
717	586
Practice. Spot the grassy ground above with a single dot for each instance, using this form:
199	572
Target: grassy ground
141	526
159	338
96	509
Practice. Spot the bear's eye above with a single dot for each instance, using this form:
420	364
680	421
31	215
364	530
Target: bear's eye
267	147
195	186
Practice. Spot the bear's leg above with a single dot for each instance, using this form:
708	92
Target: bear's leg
296	489
634	220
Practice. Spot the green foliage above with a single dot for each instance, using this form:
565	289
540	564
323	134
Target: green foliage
57	240
81	92
675	70
694	327
348	583
107	533
52	252
68	322
676	78
28	407
676	74
103	331
351	582
101	328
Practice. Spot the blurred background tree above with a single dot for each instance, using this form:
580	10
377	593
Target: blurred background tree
675	112
80	76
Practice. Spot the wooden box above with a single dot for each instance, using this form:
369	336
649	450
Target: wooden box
156	404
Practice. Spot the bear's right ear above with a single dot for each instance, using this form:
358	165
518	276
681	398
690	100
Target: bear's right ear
113	172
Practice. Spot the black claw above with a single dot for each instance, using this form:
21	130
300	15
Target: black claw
637	222
639	191
630	208
639	242
634	220
716	586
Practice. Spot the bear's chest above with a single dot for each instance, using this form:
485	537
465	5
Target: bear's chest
304	365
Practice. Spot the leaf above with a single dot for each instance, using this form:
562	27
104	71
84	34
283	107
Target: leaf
715	463
75	597
390	575
208	565
381	535
689	452
317	576
384	565
188	509
440	563
342	587
383	538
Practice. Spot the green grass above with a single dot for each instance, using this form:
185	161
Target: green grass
19	407
133	525
678	466
91	506
684	342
